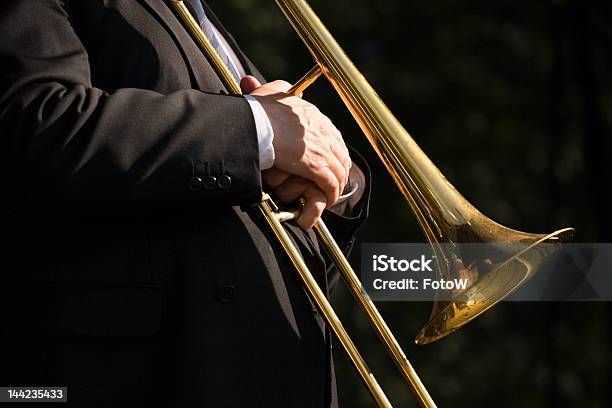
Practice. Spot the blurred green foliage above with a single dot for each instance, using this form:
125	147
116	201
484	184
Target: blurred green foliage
513	101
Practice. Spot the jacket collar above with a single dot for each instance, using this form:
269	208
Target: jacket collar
194	58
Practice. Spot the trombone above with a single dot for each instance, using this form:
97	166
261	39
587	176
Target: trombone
444	215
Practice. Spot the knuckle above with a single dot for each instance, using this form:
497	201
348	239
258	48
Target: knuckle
341	172
318	160
314	108
280	83
306	219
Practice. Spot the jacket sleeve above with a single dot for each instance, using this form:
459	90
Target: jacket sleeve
65	142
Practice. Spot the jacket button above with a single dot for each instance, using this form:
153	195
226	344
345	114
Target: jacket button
194	184
224	182
226	294
210	183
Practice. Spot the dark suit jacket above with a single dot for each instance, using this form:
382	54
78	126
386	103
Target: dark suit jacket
121	277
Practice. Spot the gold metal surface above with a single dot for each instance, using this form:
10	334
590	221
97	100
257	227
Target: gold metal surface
304	82
376	320
442	212
268	209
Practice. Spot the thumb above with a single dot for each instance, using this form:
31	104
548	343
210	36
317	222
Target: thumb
248	84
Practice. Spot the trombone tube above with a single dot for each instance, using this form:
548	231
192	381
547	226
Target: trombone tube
304	82
268	209
376	320
194	29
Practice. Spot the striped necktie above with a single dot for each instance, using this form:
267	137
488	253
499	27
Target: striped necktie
197	10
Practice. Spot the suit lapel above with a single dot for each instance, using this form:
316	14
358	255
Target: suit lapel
191	53
246	64
197	64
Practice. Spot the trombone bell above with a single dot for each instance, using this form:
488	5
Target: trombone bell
489	281
444	215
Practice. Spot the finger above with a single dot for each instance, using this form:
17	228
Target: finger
300	95
315	203
274	177
292	189
325	179
248	84
339	171
350	172
280	85
342	154
340	150
271	88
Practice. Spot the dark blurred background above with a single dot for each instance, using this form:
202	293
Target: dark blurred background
513	101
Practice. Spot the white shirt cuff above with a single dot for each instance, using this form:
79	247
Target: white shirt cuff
265	133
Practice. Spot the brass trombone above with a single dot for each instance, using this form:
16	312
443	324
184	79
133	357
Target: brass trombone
444	215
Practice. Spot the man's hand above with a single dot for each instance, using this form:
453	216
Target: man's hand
306	143
311	159
289	189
